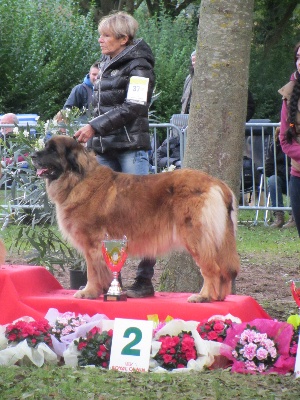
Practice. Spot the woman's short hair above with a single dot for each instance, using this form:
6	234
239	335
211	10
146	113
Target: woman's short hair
296	51
120	24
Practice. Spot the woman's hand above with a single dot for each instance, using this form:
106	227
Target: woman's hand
85	133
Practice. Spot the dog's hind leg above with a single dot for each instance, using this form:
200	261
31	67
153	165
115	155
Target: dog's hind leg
213	246
218	266
229	262
211	289
99	276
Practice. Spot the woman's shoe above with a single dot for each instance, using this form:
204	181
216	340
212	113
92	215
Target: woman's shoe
290	224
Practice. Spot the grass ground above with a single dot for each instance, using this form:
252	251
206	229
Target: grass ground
268	255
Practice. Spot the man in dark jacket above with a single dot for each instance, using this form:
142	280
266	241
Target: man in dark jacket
119	131
81	95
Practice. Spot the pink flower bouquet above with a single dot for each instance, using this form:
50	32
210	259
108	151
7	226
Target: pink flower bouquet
259	346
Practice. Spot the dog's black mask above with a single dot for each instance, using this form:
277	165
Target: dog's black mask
57	158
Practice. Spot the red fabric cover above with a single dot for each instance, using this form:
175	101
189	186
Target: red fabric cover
31	290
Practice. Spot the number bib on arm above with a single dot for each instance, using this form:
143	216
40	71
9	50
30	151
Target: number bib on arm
138	90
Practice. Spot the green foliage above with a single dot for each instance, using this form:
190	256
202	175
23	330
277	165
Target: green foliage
272	55
172	42
45	49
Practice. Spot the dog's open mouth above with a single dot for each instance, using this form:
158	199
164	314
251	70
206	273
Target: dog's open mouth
42	171
45	172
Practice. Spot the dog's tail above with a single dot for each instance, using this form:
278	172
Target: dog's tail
219	215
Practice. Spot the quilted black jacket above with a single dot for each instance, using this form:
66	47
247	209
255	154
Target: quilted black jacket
120	124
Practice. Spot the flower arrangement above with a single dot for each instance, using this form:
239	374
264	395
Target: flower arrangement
257	347
176	351
257	350
260	346
66	324
34	332
94	349
215	329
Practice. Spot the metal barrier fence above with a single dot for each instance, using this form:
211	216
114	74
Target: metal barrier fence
258	135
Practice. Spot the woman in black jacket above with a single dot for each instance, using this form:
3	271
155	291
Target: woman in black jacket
119	131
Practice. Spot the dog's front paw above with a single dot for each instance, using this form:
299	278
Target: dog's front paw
86	294
197	298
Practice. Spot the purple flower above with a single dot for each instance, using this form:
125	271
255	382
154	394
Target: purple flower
250	365
262	353
249	351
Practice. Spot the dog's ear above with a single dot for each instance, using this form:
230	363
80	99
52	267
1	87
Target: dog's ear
72	160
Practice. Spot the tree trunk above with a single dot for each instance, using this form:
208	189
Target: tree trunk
216	130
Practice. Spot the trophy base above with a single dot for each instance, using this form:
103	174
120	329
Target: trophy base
115	297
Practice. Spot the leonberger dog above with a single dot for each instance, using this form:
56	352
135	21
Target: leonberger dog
184	209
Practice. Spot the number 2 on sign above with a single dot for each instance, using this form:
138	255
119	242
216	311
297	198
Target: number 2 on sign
131	345
128	349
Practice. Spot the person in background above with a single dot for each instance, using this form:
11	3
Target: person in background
279	180
173	156
11	119
290	133
81	95
6	133
120	127
187	92
187	87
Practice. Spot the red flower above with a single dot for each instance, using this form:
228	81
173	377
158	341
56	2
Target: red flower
212	335
176	351
167	358
81	345
34	332
95	348
214	330
219	326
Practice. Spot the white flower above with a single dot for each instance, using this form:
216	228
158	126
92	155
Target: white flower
16	130
170	169
47	125
26	133
39	144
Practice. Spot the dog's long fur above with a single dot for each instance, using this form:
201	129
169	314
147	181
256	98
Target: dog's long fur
184	209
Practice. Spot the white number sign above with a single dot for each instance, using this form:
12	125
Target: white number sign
131	345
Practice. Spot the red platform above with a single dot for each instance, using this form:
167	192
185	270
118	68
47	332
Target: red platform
30	290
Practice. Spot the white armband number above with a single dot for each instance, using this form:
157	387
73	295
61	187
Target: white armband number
138	90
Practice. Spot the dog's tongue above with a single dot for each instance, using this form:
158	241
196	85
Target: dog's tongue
41	171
